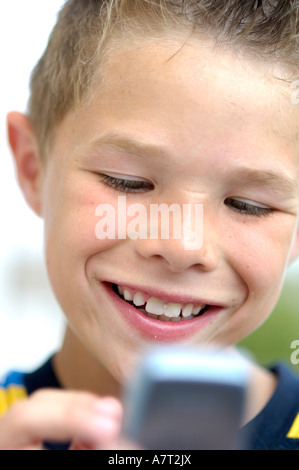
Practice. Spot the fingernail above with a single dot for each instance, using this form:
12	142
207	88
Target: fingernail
105	424
109	406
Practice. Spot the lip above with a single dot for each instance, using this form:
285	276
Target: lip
156	330
167	298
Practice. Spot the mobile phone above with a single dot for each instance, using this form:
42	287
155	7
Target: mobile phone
186	399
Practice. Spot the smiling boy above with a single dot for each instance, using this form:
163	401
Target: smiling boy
165	102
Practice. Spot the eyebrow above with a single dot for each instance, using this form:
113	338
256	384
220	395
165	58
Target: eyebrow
275	181
130	145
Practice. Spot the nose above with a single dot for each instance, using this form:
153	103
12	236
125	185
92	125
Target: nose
178	254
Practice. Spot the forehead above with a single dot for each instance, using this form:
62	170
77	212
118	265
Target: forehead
192	96
198	73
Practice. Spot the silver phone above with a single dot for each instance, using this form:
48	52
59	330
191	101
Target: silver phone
186	399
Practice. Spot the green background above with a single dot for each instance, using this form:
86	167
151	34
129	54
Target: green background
272	341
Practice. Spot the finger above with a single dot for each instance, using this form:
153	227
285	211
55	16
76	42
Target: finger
60	416
123	444
112	444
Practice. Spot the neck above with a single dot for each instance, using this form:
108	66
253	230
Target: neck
77	369
261	387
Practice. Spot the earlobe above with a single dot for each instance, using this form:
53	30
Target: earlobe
26	157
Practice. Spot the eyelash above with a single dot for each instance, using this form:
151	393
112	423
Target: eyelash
134	186
127	186
248	209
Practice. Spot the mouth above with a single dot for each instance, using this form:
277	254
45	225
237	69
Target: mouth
158	309
157	316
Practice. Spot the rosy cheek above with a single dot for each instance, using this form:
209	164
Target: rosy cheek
82	219
258	253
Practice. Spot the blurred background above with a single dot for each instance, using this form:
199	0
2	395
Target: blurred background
31	323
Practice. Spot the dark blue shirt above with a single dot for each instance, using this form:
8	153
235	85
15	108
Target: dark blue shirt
276	427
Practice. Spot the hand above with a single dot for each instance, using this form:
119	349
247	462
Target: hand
85	420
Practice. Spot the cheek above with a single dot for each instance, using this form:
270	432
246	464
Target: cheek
70	237
73	223
260	254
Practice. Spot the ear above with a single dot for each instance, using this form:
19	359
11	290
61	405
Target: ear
26	157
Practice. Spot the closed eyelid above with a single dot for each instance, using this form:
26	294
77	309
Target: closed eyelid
250	202
120	176
248	209
126	185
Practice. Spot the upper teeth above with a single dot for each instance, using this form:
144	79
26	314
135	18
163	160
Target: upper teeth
157	307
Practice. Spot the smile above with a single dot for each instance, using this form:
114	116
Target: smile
158	309
160	316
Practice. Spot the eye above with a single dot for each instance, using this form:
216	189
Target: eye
127	185
246	208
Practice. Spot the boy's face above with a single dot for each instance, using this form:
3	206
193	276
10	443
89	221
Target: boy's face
196	127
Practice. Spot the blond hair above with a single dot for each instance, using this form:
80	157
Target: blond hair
86	32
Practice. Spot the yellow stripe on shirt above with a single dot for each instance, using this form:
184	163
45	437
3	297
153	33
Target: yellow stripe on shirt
294	431
10	395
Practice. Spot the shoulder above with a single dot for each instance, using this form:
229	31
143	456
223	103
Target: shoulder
12	389
18	385
287	401
277	425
